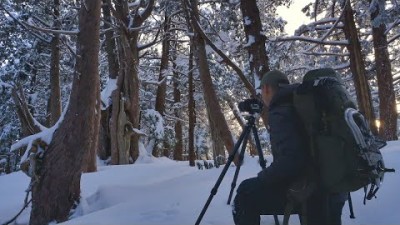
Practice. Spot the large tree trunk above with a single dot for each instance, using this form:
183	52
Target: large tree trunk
192	111
357	67
387	100
55	91
214	110
126	115
58	188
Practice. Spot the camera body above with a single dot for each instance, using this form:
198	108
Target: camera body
252	106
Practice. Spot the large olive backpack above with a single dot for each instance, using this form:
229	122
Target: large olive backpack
344	153
343	150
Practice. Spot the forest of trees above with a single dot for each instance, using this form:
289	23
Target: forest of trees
120	80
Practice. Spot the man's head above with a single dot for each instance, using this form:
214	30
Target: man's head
270	83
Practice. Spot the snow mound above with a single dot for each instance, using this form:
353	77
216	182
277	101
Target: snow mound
162	191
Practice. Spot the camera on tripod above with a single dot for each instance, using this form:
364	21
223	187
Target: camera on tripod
252	106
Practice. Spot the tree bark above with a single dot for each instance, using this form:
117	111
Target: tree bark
178	150
58	189
214	110
162	88
192	111
55	91
357	67
387	100
110	42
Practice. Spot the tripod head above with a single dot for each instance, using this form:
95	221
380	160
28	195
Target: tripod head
252	106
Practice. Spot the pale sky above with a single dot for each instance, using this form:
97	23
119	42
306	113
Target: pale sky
293	15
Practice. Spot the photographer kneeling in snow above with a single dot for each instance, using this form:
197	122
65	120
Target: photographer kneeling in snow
267	193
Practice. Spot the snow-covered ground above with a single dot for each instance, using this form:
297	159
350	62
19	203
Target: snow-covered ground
168	192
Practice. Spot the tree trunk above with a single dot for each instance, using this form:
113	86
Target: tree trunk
258	58
357	67
218	149
104	147
192	111
126	115
133	108
178	150
162	88
104	150
110	42
214	110
387	100
115	113
55	91
28	124
58	189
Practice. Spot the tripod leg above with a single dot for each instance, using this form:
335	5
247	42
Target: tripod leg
221	176
235	177
350	206
259	150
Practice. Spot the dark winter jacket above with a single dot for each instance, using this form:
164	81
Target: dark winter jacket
287	138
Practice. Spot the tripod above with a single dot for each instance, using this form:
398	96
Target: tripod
250	126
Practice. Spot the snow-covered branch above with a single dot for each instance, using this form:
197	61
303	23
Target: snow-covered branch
148	45
342	66
133	29
393	38
324	53
335	25
311	40
158	83
24	26
392	25
225	58
147	11
65	32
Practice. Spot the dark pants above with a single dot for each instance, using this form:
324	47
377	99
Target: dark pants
254	199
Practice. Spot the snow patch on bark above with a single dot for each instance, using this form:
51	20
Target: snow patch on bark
106	93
